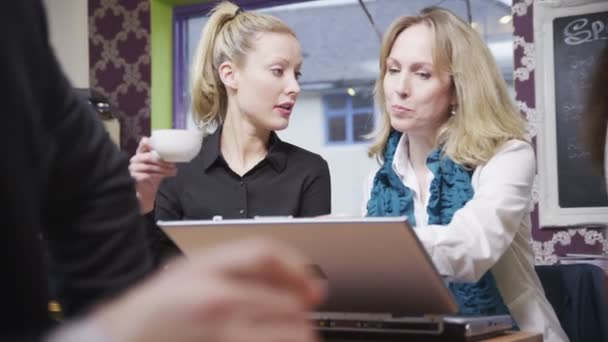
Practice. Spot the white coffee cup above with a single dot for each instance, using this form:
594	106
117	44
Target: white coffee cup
177	145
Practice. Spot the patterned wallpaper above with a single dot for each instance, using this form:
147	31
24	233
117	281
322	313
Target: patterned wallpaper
119	45
547	243
119	58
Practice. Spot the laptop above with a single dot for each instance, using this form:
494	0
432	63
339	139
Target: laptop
380	279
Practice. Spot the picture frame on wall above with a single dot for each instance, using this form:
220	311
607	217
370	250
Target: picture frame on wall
568	36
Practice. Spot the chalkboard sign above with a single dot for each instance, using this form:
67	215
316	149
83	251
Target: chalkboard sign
577	43
568	38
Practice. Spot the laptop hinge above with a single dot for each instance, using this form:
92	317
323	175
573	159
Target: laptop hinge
427	324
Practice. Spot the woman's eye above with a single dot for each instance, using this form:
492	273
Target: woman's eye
424	75
298	75
393	70
277	72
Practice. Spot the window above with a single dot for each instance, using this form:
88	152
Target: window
349	115
339	45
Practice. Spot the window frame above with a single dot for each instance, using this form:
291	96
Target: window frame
348	112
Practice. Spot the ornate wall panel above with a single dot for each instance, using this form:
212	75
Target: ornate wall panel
119	50
548	244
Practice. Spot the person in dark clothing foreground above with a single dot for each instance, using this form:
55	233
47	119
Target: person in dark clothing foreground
64	186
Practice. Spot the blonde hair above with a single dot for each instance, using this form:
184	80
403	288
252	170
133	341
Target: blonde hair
485	117
227	36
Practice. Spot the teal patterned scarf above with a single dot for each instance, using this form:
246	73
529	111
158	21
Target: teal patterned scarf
450	190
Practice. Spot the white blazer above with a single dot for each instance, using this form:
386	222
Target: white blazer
491	232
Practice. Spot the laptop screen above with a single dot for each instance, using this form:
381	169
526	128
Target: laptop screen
371	265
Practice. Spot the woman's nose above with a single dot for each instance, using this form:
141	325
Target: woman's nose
403	87
293	87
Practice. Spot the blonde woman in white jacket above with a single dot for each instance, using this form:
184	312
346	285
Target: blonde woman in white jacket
454	160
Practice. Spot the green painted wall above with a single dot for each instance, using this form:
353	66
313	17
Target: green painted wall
161	42
161	52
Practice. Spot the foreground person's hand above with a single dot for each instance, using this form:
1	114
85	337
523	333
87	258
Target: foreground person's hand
248	291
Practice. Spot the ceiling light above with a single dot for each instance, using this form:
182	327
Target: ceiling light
505	19
351	91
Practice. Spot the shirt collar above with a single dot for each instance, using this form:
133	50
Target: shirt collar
277	151
403	168
211	152
401	159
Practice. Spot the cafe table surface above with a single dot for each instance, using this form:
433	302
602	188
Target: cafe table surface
510	336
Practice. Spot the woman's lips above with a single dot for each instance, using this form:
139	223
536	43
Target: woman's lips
397	109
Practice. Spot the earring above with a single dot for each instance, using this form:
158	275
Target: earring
453	111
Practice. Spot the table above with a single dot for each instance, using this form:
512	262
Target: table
517	336
512	336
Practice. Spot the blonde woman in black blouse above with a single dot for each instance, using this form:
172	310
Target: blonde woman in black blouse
245	84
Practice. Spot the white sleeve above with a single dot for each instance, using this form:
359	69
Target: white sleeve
484	228
367	190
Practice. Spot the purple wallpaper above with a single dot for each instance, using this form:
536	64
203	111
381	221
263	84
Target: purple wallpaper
119	58
547	243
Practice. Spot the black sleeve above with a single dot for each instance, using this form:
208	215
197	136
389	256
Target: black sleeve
167	208
93	227
87	210
316	195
